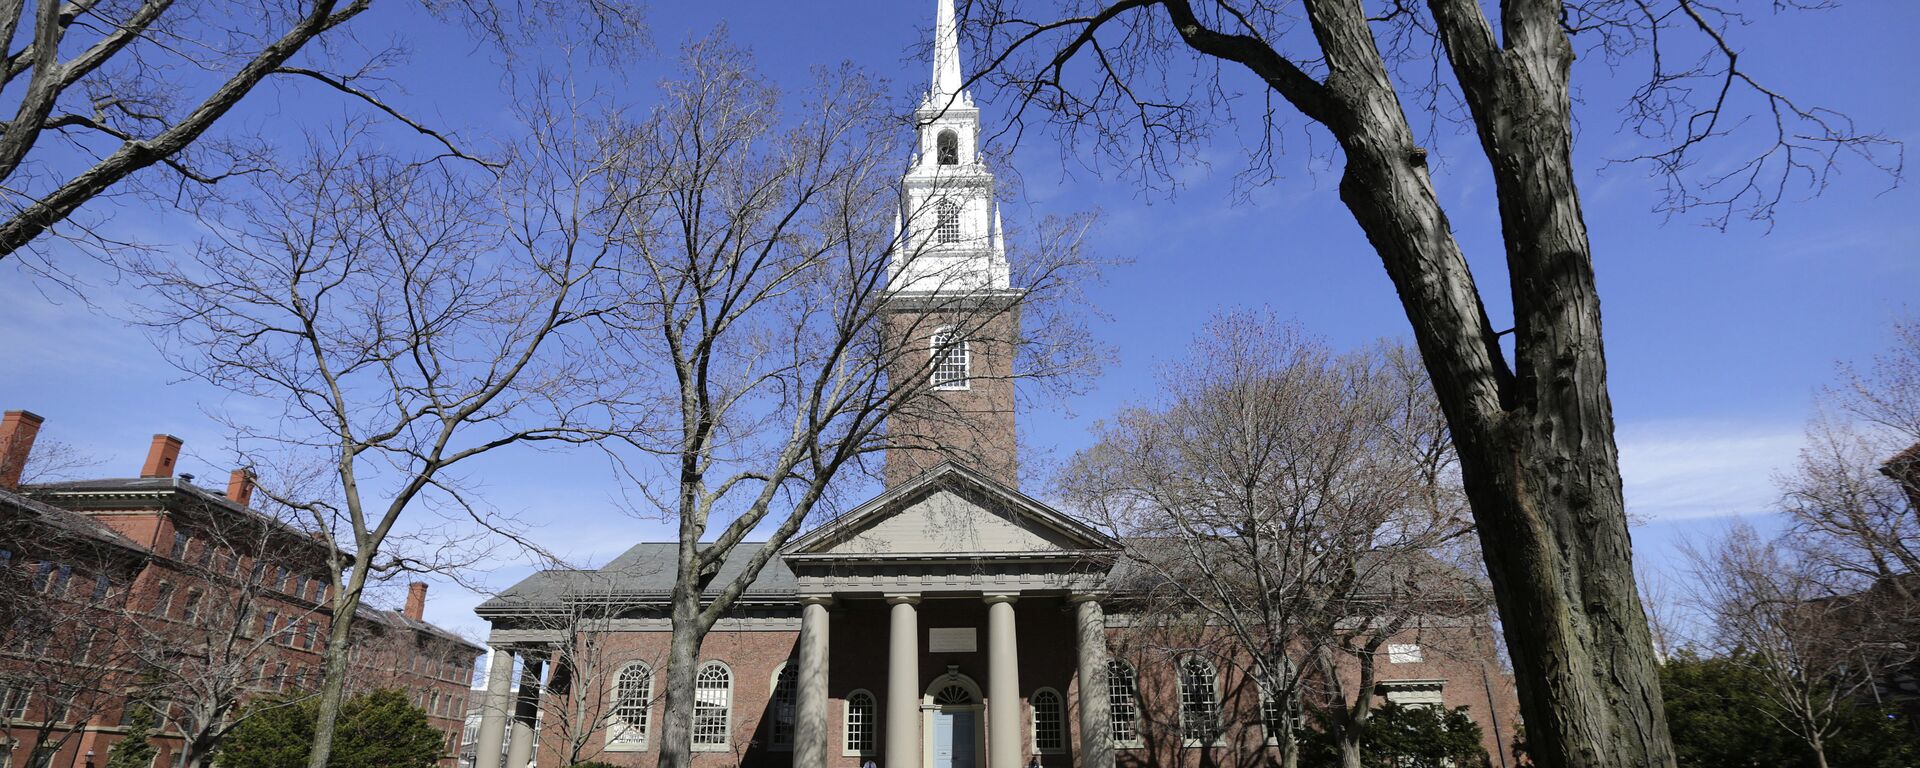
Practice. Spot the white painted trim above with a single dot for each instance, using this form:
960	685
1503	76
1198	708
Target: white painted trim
873	724
1180	694
733	691
773	691
1033	719
979	708
1137	742
617	729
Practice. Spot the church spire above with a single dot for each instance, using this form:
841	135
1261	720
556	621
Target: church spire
948	84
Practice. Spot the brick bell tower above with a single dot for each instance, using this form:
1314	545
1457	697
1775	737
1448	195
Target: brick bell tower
952	314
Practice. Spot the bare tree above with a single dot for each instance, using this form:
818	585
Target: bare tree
759	267
1292	500
1856	489
585	697
104	89
405	318
1819	649
229	629
1147	82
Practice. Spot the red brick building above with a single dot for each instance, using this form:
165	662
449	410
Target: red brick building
191	599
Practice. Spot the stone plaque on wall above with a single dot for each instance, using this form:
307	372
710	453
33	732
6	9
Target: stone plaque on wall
953	640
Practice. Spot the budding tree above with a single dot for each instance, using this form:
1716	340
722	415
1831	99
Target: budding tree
1818	647
1855	492
1293	501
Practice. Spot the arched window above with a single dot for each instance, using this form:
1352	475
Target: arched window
948	147
1199	702
860	721
1123	703
946	225
782	704
1049	721
632	706
952	361
1280	716
712	706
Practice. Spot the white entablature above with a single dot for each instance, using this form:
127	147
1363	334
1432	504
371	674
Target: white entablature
951	238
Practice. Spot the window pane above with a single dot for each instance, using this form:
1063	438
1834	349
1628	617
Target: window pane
1049	722
1123	702
860	722
712	695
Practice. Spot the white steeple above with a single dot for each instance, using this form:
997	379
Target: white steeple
951	225
947	89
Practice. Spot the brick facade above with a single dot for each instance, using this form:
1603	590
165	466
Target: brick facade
1461	657
186	568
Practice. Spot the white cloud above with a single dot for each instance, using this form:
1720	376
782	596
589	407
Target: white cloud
1678	470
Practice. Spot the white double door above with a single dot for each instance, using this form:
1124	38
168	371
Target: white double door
954	736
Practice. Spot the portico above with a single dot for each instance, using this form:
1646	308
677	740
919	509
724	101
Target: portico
977	556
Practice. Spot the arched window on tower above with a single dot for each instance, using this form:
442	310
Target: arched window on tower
948	147
952	362
946	226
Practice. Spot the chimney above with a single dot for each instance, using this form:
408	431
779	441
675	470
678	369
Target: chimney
240	486
17	431
161	455
416	601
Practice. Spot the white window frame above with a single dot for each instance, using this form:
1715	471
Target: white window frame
1295	712
621	735
1186	729
872	723
725	744
962	351
774	743
1131	678
1059	724
946	221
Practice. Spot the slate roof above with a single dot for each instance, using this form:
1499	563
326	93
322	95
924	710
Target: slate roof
643	572
110	485
66	520
398	620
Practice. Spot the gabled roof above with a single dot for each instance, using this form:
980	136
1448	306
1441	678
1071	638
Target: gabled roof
1064	532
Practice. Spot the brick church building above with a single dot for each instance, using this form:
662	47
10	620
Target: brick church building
950	622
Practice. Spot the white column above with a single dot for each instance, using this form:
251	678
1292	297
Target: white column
903	683
810	721
1005	734
526	713
493	710
1096	741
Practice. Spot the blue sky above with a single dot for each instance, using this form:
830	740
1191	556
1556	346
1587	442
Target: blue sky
1716	340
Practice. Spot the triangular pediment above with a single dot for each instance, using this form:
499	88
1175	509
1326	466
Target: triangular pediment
951	510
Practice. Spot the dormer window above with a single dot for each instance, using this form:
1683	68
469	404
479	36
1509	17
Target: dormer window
952	365
948	148
946	226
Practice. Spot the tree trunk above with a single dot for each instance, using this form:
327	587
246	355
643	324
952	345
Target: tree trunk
683	656
339	649
1535	442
